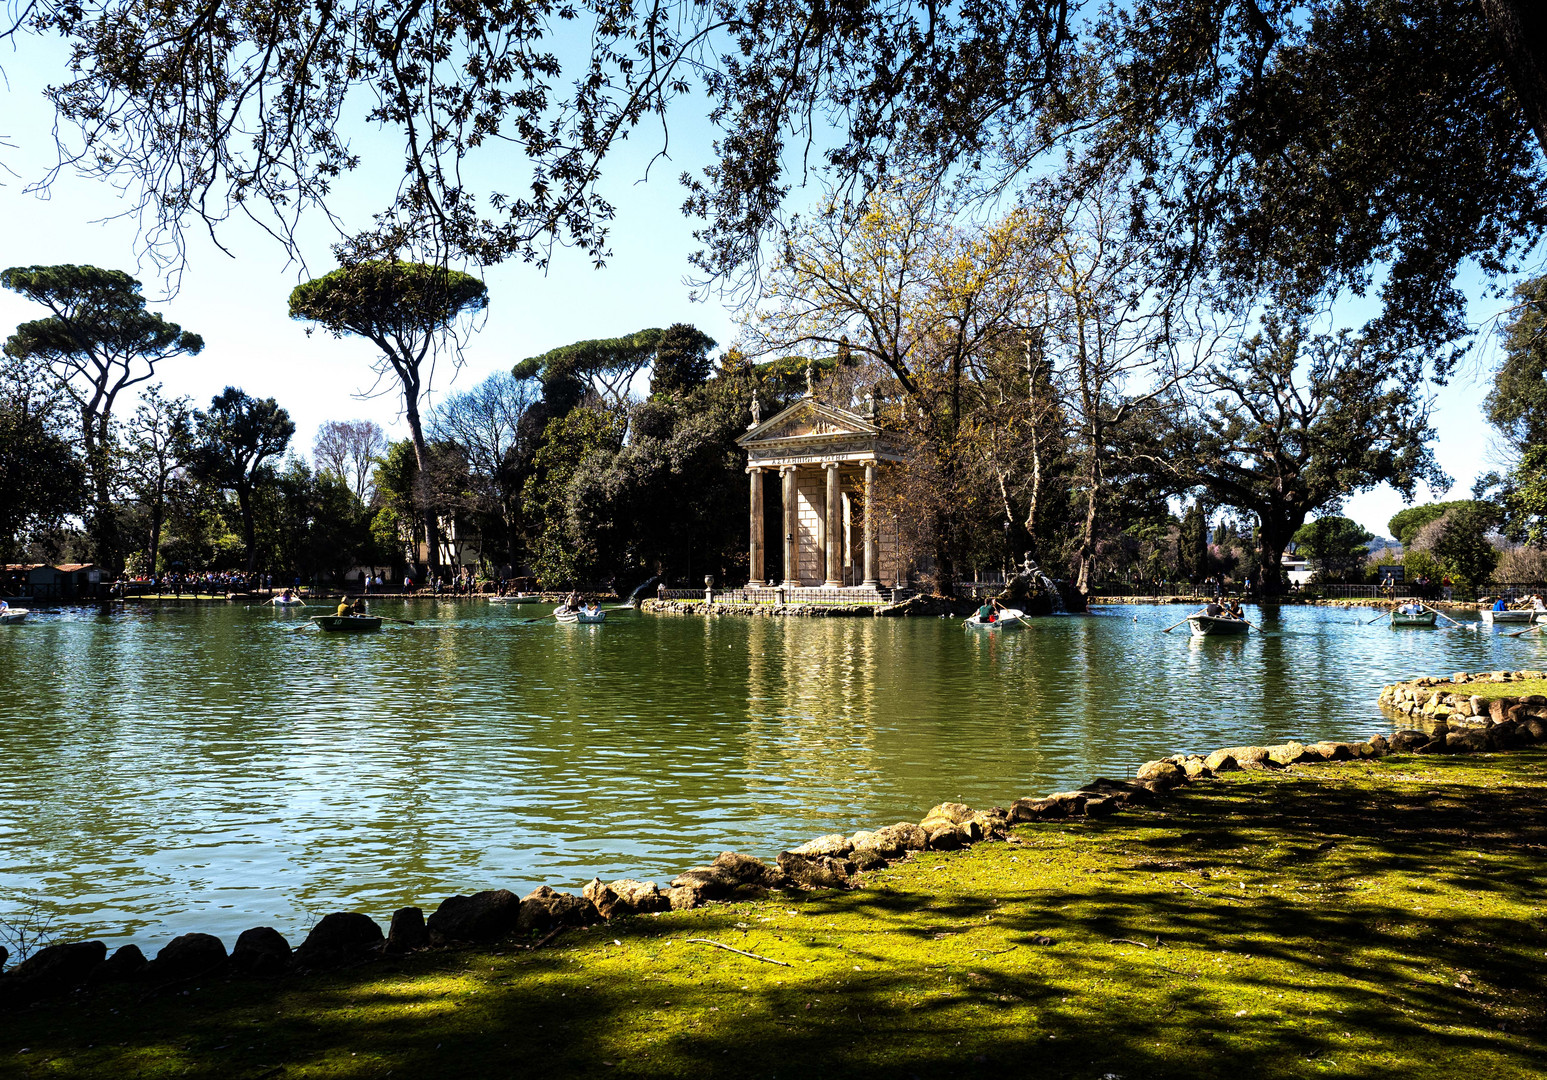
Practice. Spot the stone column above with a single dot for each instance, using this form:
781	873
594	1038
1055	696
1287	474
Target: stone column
834	528
791	528
755	567
871	580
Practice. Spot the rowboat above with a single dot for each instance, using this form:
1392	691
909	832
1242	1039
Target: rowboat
583	616
1214	626
1004	619
1423	618
348	624
294	601
13	615
1520	617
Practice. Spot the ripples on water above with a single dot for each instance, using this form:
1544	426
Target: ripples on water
211	769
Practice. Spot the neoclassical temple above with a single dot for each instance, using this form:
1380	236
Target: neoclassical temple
827	525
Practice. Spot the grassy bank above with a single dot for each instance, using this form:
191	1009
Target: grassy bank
1357	920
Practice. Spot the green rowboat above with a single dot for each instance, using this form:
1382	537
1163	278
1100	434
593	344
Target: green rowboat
1212	626
348	624
1423	618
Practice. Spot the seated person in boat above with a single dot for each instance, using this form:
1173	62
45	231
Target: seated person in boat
4	606
1500	605
346	609
1235	611
574	601
286	597
1214	610
989	612
1536	603
1410	608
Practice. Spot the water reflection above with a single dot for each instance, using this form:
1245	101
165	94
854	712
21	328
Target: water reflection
211	768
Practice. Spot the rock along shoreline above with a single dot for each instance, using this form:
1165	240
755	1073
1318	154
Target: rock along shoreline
1456	722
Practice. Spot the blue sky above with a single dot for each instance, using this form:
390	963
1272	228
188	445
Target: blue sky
238	304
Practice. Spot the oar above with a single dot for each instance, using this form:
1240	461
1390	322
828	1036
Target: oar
389	618
540	618
1378	618
1174	625
305	625
1527	630
1441	614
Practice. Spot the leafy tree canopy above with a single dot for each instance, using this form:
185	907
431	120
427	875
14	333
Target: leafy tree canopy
1335	545
40	475
1306	141
1405	524
681	359
1459	539
234	439
1300	422
1517	402
398	305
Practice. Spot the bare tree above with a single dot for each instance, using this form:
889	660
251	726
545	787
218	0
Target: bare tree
158	440
348	449
484	424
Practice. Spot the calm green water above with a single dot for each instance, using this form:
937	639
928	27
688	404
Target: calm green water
210	769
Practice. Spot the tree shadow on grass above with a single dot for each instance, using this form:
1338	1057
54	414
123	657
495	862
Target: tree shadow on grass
1355	922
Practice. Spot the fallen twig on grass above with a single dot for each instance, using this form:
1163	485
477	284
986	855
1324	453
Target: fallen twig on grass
738	952
555	932
1211	896
1127	941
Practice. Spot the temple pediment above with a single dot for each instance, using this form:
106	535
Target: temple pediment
809	417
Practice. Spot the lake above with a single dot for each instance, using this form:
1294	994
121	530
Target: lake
209	768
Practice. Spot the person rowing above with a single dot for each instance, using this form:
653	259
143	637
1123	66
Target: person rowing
285	598
1234	611
989	612
1214	610
1410	608
347	610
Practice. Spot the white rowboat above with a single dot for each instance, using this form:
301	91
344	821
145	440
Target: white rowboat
1004	619
1518	618
583	616
14	615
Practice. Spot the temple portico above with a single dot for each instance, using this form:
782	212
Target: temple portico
823	462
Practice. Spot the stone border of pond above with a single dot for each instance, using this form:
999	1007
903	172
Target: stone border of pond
835	861
1468	710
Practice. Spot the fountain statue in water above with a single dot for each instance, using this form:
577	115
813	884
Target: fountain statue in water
1032	591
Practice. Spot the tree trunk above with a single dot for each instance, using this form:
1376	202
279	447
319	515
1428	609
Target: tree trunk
427	514
95	436
1034	505
1520	36
1273	533
249	528
1087	548
945	566
157	519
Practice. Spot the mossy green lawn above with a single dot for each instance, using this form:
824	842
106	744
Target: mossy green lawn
1517	688
1368	919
